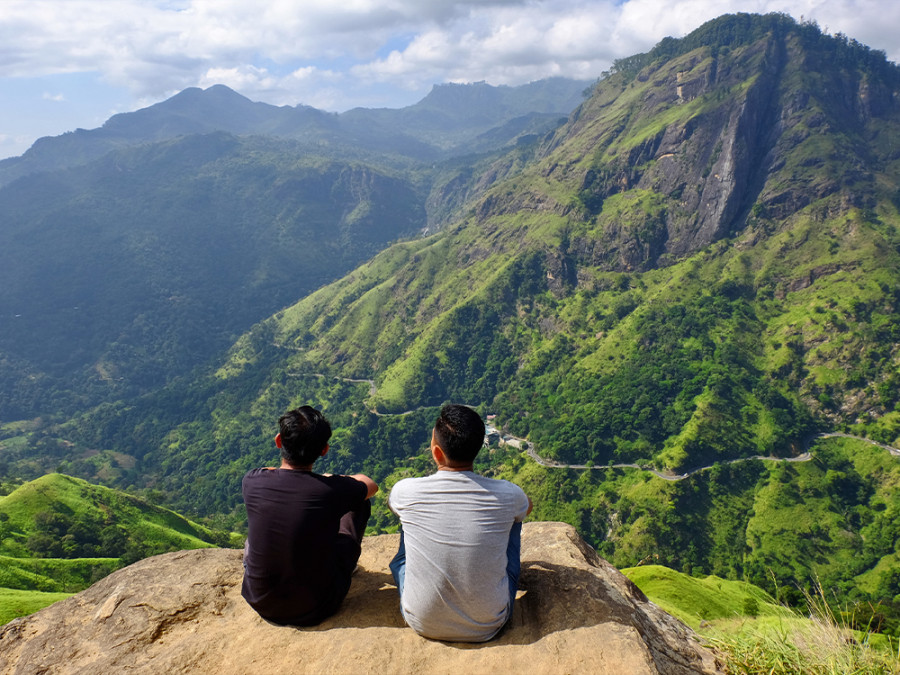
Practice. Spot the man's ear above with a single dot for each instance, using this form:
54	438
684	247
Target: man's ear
439	457
324	450
278	441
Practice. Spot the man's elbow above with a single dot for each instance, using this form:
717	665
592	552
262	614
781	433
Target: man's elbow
371	485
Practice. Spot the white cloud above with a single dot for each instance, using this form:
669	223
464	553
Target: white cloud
47	96
285	51
241	78
12	142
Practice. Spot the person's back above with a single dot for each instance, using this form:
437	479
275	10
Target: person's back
458	564
304	528
293	557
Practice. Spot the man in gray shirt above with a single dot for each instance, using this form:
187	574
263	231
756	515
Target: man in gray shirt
458	565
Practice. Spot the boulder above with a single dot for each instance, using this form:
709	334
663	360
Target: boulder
183	613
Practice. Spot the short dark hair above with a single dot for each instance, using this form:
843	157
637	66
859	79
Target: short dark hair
460	433
304	434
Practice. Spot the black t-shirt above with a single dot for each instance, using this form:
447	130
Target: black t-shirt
293	519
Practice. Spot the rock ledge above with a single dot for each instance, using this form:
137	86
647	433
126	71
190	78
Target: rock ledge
183	613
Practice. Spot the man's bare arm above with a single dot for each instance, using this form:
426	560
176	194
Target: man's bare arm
371	485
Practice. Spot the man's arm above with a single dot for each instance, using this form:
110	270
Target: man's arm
530	505
371	485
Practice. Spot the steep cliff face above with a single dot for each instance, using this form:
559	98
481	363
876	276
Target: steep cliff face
694	146
183	613
698	172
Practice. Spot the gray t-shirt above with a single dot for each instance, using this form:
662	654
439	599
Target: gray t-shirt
456	527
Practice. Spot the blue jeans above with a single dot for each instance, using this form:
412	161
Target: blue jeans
513	563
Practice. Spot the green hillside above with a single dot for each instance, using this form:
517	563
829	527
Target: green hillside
701	266
695	600
625	318
673	280
753	634
60	534
120	275
57	516
633	318
785	527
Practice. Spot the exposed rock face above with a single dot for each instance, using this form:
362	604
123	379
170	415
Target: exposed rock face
697	147
183	613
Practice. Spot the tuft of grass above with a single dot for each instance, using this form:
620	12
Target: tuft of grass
812	647
819	645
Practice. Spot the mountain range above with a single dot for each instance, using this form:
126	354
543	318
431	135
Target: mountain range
132	253
700	266
452	120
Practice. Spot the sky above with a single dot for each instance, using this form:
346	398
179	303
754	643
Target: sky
68	64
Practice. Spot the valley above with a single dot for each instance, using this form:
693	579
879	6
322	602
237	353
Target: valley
682	292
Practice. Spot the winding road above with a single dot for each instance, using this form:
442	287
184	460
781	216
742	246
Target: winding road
805	457
532	453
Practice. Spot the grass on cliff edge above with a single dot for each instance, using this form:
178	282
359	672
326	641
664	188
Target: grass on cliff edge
15	603
814	646
753	634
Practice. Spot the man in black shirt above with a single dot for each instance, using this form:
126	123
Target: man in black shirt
304	529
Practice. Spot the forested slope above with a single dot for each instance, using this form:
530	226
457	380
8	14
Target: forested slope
120	275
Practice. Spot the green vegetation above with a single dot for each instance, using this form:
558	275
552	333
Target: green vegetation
55	575
58	516
204	235
15	603
754	635
801	647
60	534
698	601
831	521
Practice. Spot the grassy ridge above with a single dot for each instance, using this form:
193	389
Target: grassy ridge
60	534
698	600
88	517
54	575
16	603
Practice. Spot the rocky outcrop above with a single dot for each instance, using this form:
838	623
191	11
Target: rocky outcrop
183	613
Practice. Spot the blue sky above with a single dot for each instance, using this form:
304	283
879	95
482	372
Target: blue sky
70	64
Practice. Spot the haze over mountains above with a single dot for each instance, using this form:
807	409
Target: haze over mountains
700	265
452	120
133	252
